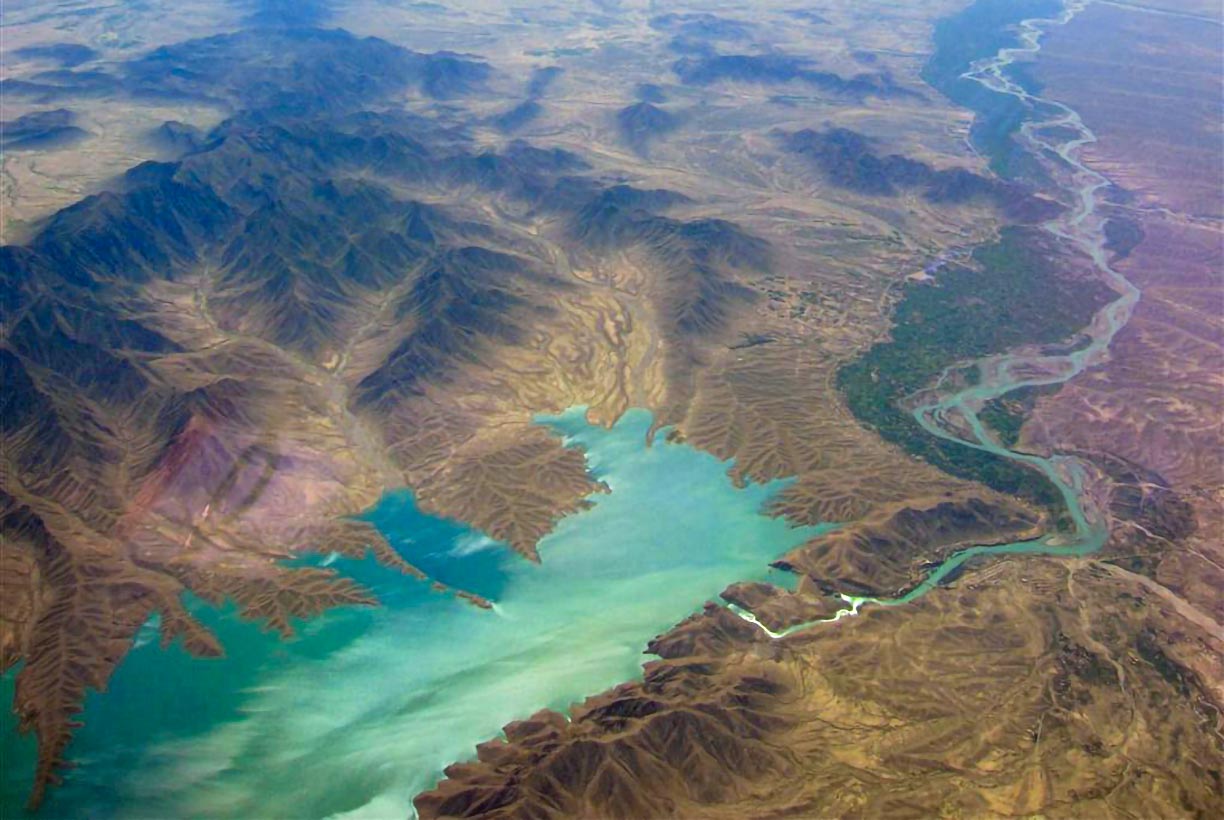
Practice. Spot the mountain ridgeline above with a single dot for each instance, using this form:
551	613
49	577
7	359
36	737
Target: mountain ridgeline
210	365
276	70
776	69
849	160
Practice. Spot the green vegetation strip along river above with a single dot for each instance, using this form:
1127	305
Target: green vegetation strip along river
1013	295
949	411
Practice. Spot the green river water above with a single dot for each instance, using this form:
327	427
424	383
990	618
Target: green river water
366	707
953	414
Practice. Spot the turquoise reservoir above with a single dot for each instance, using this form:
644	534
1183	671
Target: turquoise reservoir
364	709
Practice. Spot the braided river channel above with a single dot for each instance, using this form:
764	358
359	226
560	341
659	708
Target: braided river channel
953	414
365	707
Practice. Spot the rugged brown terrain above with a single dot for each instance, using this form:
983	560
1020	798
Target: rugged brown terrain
357	262
1031	686
311	295
1156	404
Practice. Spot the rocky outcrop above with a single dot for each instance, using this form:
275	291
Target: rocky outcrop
1016	691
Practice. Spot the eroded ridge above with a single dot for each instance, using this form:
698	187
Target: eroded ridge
210	368
358	269
1042	705
1058	682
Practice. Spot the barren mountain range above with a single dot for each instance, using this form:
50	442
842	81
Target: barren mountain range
339	251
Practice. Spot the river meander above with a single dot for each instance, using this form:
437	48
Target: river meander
949	409
365	707
1051	128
